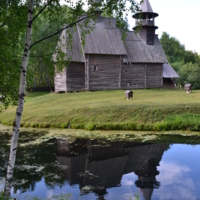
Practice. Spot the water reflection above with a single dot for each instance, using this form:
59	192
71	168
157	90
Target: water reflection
32	164
96	165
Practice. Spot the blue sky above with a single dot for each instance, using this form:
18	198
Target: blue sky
180	19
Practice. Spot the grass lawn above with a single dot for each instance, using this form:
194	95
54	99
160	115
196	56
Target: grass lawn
150	109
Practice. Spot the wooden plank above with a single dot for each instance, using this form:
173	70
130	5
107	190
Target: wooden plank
76	53
169	72
66	79
145	76
106	75
154	75
76	77
105	38
60	81
120	72
134	75
161	76
139	52
88	71
82	49
86	61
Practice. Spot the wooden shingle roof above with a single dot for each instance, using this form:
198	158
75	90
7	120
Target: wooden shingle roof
105	38
60	45
169	72
139	52
74	50
145	7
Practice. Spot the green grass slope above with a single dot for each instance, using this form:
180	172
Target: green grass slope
150	109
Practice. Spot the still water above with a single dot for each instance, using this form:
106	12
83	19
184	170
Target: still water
98	169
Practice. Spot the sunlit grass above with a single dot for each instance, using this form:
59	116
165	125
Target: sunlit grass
150	109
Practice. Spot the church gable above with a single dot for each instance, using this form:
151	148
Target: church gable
105	61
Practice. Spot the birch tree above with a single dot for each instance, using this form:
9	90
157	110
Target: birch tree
118	8
16	125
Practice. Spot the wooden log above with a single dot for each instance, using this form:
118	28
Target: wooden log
154	75
60	81
133	76
120	73
104	72
76	77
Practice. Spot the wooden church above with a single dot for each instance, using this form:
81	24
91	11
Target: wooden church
106	62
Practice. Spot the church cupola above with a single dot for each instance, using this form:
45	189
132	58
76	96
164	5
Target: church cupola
145	22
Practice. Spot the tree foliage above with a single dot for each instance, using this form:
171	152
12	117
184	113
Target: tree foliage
12	29
185	62
49	17
41	68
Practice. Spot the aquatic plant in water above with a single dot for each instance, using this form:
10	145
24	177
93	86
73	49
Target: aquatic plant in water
2	196
136	196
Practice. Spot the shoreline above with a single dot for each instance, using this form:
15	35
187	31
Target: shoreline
149	110
46	134
184	122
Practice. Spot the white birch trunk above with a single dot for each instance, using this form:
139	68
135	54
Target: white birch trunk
16	124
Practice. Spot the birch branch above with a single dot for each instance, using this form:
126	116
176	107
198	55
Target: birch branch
72	24
45	6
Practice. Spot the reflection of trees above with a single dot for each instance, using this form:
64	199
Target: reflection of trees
98	164
29	159
4	153
42	155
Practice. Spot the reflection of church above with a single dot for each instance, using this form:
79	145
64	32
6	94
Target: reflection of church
101	165
145	166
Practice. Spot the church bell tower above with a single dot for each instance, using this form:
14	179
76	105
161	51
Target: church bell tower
145	22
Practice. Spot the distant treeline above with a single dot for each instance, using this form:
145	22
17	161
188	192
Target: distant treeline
185	62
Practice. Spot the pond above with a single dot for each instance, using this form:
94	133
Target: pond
165	167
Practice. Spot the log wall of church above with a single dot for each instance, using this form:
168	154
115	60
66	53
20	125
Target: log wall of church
135	76
60	81
104	72
132	76
154	76
76	76
107	72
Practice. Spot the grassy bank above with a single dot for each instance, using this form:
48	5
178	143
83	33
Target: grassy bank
152	109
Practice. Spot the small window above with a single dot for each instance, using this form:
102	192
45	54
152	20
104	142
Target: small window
128	84
94	68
